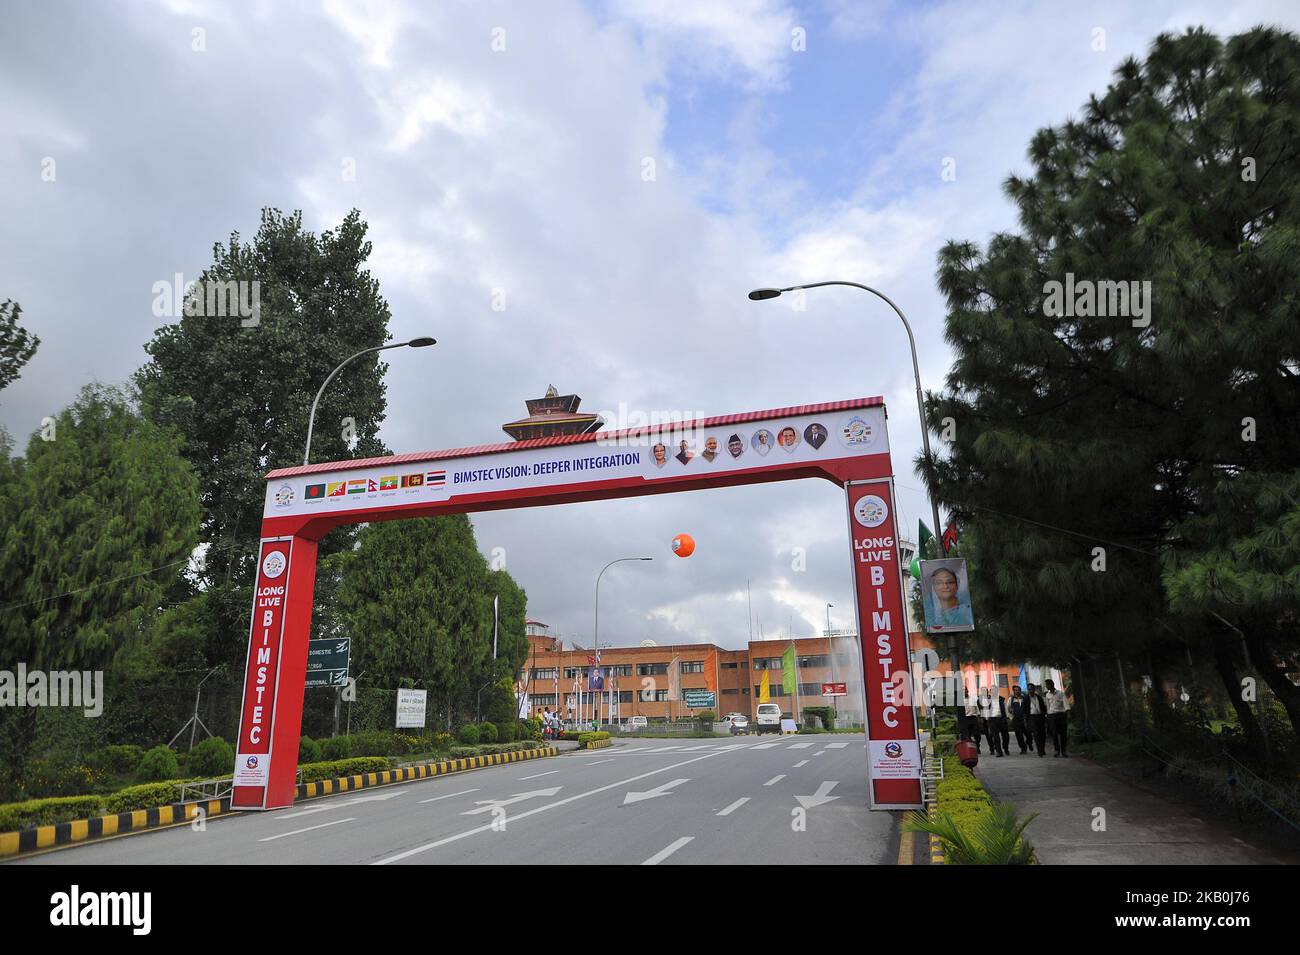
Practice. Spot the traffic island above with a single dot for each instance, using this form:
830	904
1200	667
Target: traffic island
40	837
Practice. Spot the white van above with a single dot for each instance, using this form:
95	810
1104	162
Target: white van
769	718
634	723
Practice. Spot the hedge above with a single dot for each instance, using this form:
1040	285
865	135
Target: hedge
596	737
45	812
960	794
316	772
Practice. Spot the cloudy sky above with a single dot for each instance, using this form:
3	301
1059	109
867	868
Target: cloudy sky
620	174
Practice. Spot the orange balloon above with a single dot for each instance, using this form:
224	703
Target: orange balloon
683	545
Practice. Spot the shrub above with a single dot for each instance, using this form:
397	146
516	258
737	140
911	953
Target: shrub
119	759
530	728
707	716
468	734
308	751
336	747
464	752
47	812
160	763
995	837
59	777
595	737
508	731
332	769
487	732
213	757
143	797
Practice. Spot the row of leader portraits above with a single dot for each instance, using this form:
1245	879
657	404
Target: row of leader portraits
762	442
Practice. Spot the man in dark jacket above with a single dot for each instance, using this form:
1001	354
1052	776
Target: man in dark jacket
1036	714
1019	725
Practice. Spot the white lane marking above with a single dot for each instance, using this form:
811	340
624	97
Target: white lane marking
663	854
820	752
839	745
818	798
696	749
344	803
487	805
803	745
463	792
555	805
774	780
539	775
802	762
661	790
308	829
599	761
767	745
734	806
660	749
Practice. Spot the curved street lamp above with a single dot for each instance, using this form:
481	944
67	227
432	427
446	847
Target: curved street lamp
595	629
422	342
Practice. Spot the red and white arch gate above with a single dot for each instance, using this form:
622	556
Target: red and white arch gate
842	441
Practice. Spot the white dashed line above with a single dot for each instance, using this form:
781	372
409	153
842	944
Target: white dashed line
463	792
663	854
734	806
539	775
802	762
308	829
774	780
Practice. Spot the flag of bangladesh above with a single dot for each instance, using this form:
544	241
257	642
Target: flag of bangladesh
315	492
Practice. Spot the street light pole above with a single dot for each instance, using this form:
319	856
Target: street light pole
830	651
761	294
595	628
311	418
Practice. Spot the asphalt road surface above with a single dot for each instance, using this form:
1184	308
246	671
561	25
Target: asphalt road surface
747	800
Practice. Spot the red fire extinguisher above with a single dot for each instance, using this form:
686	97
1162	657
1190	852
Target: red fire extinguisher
967	753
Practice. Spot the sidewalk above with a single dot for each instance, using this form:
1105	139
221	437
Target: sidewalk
1142	828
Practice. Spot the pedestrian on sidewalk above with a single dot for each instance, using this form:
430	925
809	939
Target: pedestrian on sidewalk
1058	714
1036	713
1016	710
993	714
971	721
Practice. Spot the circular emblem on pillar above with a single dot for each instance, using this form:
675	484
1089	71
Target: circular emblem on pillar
857	434
283	496
273	564
871	511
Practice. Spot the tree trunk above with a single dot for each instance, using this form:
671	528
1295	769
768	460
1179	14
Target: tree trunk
1274	675
1225	661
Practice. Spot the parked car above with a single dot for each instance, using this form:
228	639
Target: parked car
634	723
739	725
769	718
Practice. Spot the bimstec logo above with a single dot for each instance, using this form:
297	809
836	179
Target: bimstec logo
283	496
251	762
893	750
273	564
871	511
857	433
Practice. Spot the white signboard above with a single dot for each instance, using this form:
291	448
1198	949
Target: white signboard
252	769
895	759
410	708
672	453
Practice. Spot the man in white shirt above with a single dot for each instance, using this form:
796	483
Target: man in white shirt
1058	717
993	714
1036	715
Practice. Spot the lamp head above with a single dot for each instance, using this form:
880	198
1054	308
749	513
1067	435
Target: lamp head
761	294
423	342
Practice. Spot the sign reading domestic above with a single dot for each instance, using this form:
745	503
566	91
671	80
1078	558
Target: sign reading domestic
893	750
257	715
327	662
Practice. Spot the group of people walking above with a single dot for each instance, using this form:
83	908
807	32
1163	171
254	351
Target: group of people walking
1032	716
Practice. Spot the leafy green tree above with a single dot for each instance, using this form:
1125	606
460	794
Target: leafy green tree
240	393
96	524
416	597
17	345
1094	452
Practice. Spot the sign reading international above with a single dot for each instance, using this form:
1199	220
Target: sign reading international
327	662
411	708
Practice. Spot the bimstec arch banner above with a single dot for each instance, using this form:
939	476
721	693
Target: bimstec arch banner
672	453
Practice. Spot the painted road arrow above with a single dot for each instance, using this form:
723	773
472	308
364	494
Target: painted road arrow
652	793
818	798
487	805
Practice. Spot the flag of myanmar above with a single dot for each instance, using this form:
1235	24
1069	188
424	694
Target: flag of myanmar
388	483
315	492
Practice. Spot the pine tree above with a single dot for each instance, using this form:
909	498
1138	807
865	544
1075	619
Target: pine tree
1094	452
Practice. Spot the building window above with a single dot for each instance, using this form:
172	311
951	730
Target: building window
548	674
621	669
767	663
625	696
541	700
731	692
820	660
692	666
571	672
730	666
652	669
774	690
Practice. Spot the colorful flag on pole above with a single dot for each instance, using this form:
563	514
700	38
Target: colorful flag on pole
950	539
923	537
789	667
765	689
674	679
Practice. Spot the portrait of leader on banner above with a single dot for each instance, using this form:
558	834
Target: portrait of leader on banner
596	679
945	592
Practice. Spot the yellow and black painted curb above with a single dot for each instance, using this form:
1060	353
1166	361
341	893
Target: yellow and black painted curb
80	830
420	771
936	844
38	838
596	744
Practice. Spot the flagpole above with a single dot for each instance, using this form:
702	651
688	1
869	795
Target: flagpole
796	683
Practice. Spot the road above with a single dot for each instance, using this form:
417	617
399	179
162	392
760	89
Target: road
670	802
